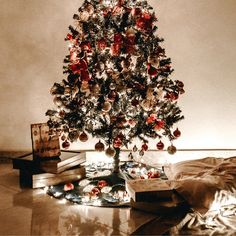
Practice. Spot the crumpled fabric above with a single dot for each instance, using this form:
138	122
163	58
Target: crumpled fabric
209	186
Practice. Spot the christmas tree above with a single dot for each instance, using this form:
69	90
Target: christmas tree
117	84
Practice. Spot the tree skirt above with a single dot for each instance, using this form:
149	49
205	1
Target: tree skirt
101	187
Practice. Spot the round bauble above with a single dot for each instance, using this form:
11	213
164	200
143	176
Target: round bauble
110	152
106	106
144	147
84	16
135	149
160	145
95	89
99	146
141	152
68	187
112	86
177	133
57	101
83	137
171	149
102	183
73	135
67	91
117	143
112	96
65	144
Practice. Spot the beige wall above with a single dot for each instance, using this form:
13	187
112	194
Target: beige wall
200	37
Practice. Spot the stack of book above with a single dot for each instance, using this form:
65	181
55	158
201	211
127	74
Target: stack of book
37	173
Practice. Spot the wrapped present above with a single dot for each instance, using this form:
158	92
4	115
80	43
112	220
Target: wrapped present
149	190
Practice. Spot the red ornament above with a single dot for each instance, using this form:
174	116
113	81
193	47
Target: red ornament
68	187
84	75
112	96
117	142
177	133
65	144
152	71
152	118
102	183
136	12
159	124
75	68
115	49
172	96
69	37
95	191
160	145
85	46
146	16
102	44
118	38
144	147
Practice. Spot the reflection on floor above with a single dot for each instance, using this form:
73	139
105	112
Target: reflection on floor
32	212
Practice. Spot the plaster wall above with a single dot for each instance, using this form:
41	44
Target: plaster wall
199	37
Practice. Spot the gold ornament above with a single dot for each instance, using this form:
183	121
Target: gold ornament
83	137
84	16
57	101
106	106
99	146
110	152
171	149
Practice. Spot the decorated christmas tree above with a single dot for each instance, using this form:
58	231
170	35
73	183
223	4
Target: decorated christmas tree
117	83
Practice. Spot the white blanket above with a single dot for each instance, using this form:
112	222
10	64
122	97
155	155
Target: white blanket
209	186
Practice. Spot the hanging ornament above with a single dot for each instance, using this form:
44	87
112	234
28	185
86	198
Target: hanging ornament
160	145
112	96
152	118
117	142
141	152
147	104
101	43
95	89
171	149
83	137
135	149
99	146
110	152
106	106
112	86
152	71
63	137
73	135
130	156
159	125
177	133
65	144
58	101
144	147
